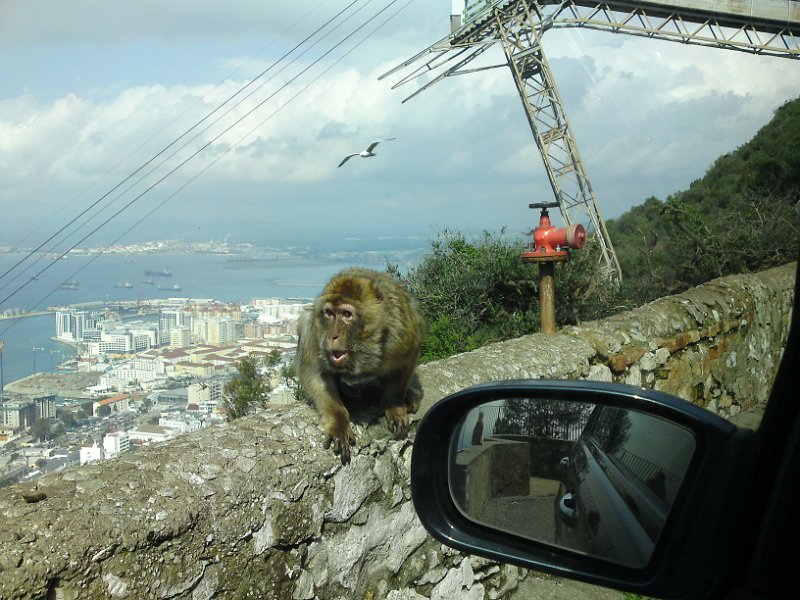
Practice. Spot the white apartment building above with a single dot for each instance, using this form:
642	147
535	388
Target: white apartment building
215	331
17	414
132	374
111	382
112	343
276	309
91	453
145	336
150	434
207	396
172	318
178	337
115	443
180	423
221	331
74	325
125	340
281	395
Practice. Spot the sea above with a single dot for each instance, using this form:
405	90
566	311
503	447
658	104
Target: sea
28	345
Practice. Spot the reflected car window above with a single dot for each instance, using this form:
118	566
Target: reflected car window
644	459
594	479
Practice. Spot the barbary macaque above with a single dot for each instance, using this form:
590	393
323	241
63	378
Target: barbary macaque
363	329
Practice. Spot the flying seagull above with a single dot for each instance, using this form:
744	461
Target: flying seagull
365	153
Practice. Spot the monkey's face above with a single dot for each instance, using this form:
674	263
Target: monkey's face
340	323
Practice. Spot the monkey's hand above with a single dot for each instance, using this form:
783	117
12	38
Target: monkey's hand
341	441
397	420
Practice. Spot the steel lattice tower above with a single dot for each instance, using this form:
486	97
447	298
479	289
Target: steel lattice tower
768	27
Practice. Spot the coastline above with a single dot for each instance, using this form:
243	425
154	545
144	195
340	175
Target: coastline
69	344
40	313
202	277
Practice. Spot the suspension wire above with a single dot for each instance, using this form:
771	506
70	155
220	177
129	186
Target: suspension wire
175	152
153	136
224	153
162	151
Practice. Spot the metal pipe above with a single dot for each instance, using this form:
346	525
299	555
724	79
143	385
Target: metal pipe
547	297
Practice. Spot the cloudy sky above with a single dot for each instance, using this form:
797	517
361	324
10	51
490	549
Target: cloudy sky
93	90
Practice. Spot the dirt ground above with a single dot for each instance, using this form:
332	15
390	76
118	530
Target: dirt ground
532	516
538	586
68	385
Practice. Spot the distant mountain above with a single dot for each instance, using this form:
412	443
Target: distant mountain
258	233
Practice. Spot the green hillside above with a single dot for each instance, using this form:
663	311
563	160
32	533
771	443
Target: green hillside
739	217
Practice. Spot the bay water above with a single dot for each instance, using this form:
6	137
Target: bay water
28	346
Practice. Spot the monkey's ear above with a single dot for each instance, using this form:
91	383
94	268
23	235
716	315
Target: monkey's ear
376	289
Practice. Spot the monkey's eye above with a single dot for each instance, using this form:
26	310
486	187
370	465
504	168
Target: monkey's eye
347	314
328	313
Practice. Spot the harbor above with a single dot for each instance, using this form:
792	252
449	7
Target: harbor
7	316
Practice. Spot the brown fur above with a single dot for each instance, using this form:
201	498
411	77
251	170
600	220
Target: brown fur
363	327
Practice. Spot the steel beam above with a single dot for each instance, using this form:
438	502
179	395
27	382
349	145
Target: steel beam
765	27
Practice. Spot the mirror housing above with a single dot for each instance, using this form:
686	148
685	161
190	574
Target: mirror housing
692	545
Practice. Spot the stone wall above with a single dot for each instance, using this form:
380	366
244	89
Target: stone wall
717	345
493	469
259	509
543	453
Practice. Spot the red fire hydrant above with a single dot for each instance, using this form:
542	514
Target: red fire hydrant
550	245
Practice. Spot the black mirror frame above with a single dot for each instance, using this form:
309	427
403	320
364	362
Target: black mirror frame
680	564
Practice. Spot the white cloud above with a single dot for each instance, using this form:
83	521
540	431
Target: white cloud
648	116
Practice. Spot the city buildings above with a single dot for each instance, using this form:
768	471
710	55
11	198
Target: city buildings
45	406
151	434
207	396
173	318
75	325
180	422
181	323
214	330
91	453
276	309
115	404
125	339
180	362
178	337
115	443
136	373
20	413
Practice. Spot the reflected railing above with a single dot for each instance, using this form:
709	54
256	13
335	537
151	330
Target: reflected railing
594	479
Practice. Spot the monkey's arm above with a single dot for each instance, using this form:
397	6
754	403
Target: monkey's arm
321	385
399	398
334	418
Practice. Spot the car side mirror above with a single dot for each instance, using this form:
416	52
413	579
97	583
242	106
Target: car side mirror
601	482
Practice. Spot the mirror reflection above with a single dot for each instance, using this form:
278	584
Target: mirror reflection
599	480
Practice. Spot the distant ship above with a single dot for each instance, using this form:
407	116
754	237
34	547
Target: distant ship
70	285
126	285
161	273
172	288
149	281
